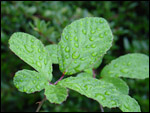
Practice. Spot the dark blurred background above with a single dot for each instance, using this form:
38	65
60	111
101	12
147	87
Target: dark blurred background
129	22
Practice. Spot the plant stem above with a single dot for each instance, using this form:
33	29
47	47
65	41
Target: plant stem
60	78
40	104
101	107
94	76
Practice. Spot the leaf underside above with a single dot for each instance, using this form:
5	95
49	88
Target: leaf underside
33	52
83	43
134	65
105	93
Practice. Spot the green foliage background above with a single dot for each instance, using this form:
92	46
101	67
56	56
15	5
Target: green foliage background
129	22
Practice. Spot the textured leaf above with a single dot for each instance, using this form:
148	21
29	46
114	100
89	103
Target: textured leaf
133	65
29	81
56	93
84	74
105	93
120	85
52	49
129	104
83	43
98	63
89	71
32	51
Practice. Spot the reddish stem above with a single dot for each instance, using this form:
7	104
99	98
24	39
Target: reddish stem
94	75
60	78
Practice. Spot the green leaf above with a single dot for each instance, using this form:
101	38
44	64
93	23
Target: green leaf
129	104
120	85
52	49
29	81
84	74
89	71
98	63
83	43
134	65
32	51
56	93
105	93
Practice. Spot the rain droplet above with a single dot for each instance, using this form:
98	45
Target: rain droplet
39	50
98	95
32	40
75	38
66	37
83	31
93	45
87	46
124	70
86	87
62	46
24	89
106	33
38	64
45	61
92	31
40	58
91	38
115	65
75	55
75	31
113	103
38	87
129	63
67	56
82	59
76	45
34	81
101	21
94	54
110	72
101	36
30	50
107	93
67	49
117	75
75	61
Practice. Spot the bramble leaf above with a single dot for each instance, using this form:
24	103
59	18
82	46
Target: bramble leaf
120	85
98	63
134	65
83	43
52	49
33	52
56	93
105	93
29	81
129	104
85	74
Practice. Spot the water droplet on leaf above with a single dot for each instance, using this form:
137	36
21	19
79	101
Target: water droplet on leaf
67	49
75	55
